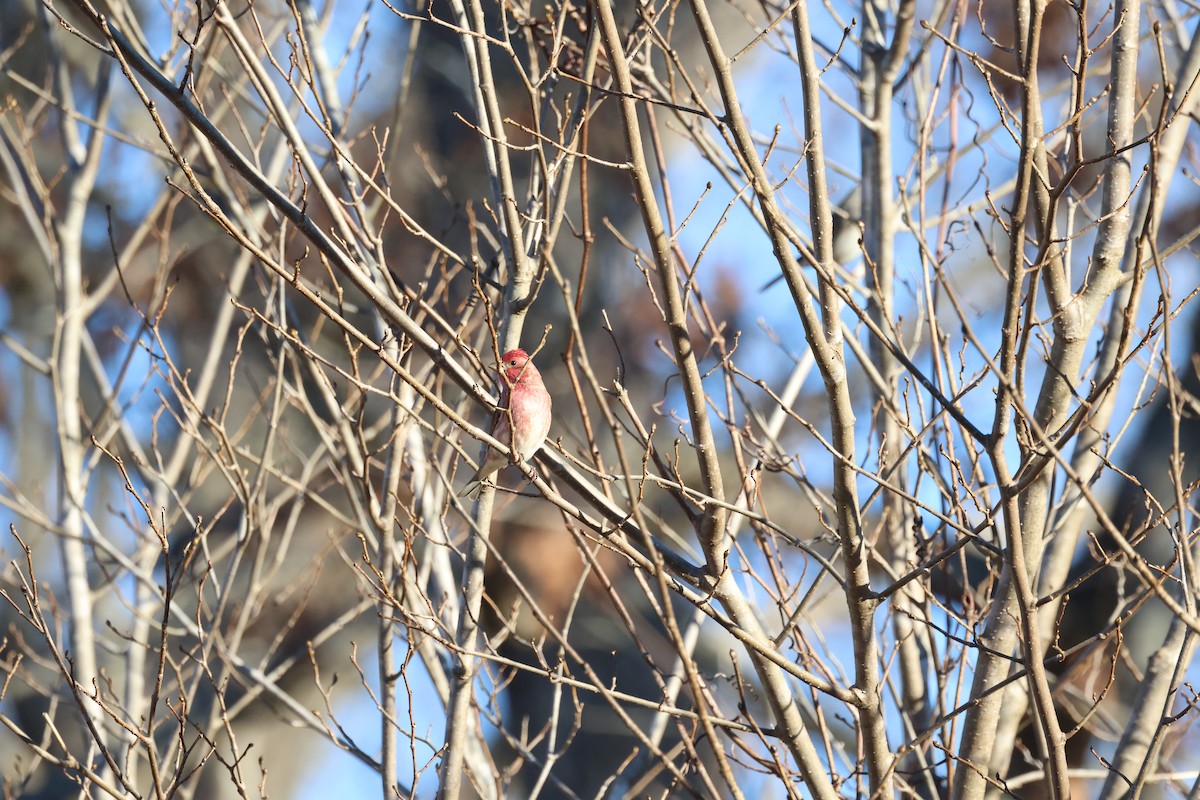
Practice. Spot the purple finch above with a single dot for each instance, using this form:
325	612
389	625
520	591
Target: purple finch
522	420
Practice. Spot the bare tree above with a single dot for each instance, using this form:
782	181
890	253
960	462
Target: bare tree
875	415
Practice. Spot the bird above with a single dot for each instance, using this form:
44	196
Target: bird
522	419
847	232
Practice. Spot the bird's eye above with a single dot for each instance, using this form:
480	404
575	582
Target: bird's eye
512	363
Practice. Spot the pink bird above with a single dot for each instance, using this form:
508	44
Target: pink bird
522	420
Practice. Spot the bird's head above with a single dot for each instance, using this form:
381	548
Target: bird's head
517	368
